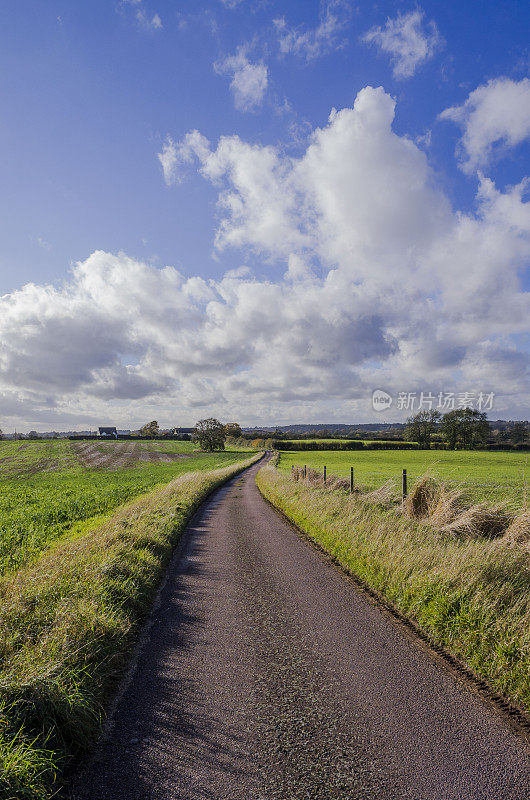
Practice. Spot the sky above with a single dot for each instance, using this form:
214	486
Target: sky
262	211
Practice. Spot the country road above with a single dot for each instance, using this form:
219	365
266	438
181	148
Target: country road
265	674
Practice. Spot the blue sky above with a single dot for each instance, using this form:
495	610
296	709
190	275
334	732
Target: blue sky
93	93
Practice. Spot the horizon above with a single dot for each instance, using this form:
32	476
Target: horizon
265	426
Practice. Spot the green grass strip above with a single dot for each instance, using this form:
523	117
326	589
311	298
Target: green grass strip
67	625
469	595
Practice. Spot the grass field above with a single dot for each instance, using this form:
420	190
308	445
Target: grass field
490	476
52	489
85	536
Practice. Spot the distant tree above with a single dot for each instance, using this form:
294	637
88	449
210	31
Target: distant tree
518	432
1	434
421	426
233	429
210	434
33	435
465	426
150	429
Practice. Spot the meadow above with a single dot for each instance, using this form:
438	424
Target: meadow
49	490
85	536
484	475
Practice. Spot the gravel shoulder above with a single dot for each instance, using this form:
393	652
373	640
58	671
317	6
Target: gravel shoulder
264	674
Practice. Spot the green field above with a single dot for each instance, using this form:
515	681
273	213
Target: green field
86	532
52	489
490	476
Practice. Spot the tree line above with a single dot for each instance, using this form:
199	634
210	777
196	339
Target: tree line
466	428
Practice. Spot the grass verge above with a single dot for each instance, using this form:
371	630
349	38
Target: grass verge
469	595
67	624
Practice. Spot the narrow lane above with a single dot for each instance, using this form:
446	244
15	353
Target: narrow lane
265	675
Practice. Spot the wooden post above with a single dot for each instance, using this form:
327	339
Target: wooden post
305	470
404	483
324	475
351	479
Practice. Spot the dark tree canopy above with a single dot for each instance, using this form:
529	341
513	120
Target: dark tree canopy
421	426
465	427
210	434
518	432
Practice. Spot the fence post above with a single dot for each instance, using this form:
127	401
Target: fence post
305	470
404	483
324	475
351	479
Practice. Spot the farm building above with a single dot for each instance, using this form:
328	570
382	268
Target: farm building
108	432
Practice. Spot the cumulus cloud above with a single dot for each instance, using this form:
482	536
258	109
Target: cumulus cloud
249	81
408	40
314	42
494	117
383	285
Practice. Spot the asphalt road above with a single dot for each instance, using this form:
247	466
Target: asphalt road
266	675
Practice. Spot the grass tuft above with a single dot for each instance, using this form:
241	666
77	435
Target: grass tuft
519	530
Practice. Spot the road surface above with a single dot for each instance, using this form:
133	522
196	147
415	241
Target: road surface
266	675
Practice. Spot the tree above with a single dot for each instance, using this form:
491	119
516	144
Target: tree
421	426
33	435
210	434
150	429
518	432
233	429
465	426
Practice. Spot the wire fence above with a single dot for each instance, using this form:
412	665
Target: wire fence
512	496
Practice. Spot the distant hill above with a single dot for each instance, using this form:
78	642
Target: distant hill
341	429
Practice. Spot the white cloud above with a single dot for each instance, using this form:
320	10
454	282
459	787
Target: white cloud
407	40
231	3
153	23
383	285
495	116
172	156
169	161
148	22
312	43
249	81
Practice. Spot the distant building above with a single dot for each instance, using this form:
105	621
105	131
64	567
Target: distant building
108	432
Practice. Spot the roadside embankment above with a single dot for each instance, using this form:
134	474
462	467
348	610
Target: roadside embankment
67	625
469	594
